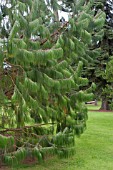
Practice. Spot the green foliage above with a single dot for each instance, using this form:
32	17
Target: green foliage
100	71
109	71
37	154
6	141
15	157
48	92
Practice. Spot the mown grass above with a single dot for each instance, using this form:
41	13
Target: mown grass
94	149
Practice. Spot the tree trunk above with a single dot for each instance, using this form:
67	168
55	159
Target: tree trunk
105	104
96	102
56	16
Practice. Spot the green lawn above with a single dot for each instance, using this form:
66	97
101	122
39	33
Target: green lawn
94	149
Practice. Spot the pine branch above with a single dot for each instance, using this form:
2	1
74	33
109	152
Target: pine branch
9	91
25	127
57	32
13	65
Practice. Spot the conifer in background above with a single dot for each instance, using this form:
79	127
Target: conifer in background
96	72
45	101
106	56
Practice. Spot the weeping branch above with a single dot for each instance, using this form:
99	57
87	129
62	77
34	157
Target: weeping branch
57	32
25	127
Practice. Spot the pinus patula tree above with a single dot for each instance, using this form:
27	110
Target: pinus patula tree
45	103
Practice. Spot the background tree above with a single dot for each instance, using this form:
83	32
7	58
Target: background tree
96	71
107	47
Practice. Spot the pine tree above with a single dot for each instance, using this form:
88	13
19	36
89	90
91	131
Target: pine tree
96	71
45	101
107	52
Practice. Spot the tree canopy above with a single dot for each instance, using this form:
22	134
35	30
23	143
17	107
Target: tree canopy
97	70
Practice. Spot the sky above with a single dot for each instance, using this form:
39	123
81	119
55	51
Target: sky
63	14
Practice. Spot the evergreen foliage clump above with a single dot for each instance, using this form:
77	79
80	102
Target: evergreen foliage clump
42	88
96	72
